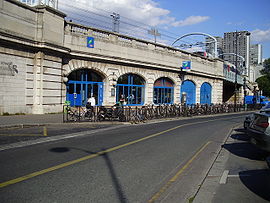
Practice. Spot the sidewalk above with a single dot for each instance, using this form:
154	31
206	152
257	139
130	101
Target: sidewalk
239	174
33	119
24	130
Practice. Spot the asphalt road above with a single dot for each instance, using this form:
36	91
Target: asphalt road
158	162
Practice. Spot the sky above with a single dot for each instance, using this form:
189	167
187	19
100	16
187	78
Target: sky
178	17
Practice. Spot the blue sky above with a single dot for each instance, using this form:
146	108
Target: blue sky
186	16
224	16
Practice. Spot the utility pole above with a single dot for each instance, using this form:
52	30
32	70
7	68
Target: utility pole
116	22
236	61
154	32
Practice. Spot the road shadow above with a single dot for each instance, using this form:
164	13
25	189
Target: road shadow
59	149
240	137
115	180
242	130
246	150
257	181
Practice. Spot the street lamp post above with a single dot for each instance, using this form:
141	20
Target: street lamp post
235	82
245	92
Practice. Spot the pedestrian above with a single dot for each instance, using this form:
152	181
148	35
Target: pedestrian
91	102
122	100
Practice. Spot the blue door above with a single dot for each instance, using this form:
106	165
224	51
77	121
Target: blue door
78	92
74	94
188	88
206	93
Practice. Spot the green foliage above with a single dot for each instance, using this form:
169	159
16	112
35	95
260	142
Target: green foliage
266	65
264	84
19	113
264	81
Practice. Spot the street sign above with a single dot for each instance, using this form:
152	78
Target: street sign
90	42
186	66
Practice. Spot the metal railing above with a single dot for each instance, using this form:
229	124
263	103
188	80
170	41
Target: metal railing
147	112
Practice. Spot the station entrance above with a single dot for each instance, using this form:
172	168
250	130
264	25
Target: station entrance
83	84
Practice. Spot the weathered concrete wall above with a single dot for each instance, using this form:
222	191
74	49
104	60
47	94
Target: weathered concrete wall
39	49
30	82
112	72
30	65
119	48
149	60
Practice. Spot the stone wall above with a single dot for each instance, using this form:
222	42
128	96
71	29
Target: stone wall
31	55
112	72
38	50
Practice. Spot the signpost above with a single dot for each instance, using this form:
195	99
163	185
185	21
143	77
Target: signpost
186	66
90	42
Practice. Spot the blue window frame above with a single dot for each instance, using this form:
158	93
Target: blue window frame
81	85
131	87
163	91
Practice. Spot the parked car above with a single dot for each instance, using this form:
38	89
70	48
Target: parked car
259	130
250	118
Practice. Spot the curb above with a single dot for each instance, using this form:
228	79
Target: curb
54	138
268	161
22	125
206	185
85	133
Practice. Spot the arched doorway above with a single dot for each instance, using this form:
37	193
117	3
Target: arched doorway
82	84
188	90
206	93
131	87
163	91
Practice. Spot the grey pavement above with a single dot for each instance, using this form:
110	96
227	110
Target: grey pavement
37	119
24	130
239	173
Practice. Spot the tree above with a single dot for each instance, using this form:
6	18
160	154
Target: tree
264	85
264	81
266	65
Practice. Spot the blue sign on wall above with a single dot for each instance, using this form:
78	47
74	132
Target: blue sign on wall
90	42
186	65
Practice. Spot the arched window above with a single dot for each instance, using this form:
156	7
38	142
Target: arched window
188	92
82	84
131	88
206	93
163	91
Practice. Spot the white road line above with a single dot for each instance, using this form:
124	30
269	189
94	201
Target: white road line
224	177
238	175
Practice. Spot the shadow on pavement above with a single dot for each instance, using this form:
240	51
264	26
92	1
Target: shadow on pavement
242	130
257	181
118	188
246	150
59	149
240	137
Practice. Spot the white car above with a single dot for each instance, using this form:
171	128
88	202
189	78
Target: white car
259	130
250	118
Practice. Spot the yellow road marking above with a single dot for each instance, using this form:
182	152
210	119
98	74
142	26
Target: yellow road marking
63	165
45	131
175	177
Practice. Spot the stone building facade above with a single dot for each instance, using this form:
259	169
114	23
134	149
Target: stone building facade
39	51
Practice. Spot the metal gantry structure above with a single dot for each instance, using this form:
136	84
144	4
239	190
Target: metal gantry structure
200	33
237	55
